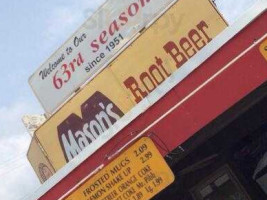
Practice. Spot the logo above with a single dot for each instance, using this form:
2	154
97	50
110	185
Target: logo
98	115
45	172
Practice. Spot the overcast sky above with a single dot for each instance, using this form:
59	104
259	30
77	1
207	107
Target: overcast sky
30	31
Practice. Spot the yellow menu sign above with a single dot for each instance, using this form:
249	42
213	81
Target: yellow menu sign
138	174
263	49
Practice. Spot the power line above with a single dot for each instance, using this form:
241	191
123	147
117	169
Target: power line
13	160
11	170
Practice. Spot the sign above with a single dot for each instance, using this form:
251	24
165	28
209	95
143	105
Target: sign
263	49
139	173
39	161
83	119
91	48
188	105
180	33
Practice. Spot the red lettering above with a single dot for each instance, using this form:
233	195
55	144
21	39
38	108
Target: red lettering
154	70
160	64
113	28
103	37
149	80
201	27
123	18
131	11
187	46
80	60
175	53
143	2
132	85
197	40
95	46
145	76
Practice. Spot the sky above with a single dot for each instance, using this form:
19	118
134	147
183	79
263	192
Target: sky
30	31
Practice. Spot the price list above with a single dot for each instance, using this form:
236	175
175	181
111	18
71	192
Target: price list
138	174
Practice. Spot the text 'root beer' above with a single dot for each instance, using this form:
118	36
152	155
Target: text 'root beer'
98	115
187	47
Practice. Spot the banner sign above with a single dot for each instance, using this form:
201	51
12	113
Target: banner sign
180	33
91	48
39	161
139	173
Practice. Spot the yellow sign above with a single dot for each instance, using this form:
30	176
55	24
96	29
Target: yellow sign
83	119
39	161
138	174
165	46
170	42
263	49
